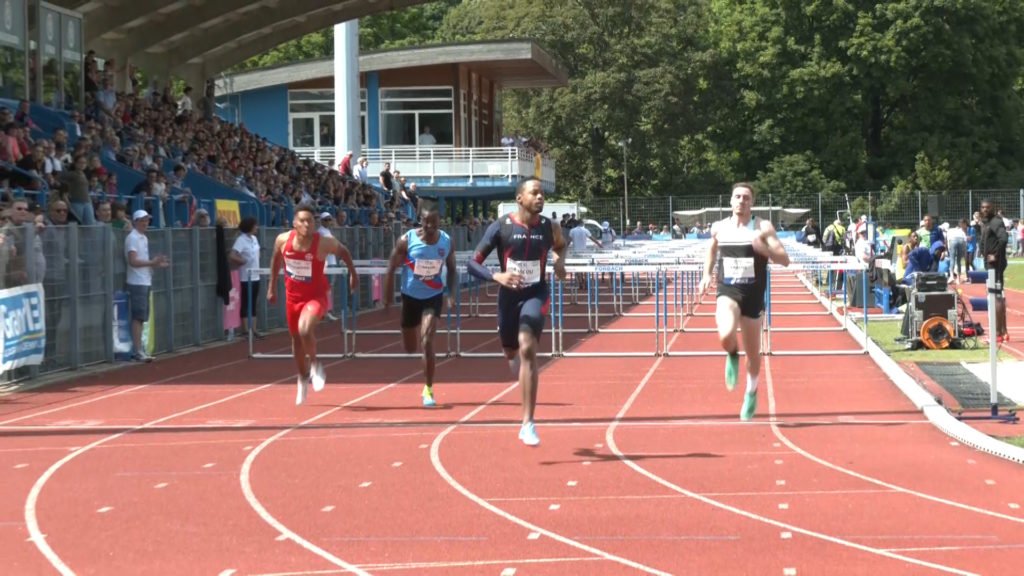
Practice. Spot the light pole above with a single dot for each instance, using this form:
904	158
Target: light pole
625	174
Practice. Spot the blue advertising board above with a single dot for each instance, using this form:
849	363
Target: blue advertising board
23	338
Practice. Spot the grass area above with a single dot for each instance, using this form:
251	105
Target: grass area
1015	440
1014	277
885	332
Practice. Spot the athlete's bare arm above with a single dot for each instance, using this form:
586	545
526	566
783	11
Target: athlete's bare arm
775	251
709	260
394	262
330	245
558	247
453	278
275	265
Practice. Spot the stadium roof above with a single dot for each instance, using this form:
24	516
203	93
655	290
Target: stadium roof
511	63
200	38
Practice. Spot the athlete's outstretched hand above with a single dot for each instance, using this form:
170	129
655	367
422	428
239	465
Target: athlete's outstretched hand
760	244
353	281
451	302
705	284
560	269
509	280
272	294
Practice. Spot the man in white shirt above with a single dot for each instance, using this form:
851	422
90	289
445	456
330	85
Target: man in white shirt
140	277
862	248
579	236
426	138
326	223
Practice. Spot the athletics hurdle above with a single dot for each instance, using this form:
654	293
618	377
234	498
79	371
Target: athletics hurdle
281	299
847	266
556	295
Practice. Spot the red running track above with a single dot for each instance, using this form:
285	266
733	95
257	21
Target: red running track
204	465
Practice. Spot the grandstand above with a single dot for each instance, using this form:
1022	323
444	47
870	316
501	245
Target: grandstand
88	144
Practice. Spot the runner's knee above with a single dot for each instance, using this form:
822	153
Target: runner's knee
527	345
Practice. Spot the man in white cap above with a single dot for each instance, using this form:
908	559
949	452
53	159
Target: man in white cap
140	277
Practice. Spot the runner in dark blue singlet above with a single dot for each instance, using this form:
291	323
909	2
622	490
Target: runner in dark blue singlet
741	247
523	240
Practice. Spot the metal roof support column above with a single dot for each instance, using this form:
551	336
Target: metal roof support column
347	120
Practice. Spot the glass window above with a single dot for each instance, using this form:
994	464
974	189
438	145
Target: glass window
303	132
311	114
326	130
311	107
416	94
398	129
441	126
434	105
314	95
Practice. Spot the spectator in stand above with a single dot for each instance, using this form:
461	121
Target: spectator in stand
386	179
119	216
104	212
185	103
75	184
23	117
345	168
362	163
140	278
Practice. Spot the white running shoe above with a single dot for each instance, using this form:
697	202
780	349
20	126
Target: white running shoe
300	396
317	376
513	367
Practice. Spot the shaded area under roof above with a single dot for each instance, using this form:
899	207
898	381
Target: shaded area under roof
201	38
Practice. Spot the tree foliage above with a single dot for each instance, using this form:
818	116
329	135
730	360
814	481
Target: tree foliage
413	26
799	95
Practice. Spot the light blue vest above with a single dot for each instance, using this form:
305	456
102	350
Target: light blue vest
424	267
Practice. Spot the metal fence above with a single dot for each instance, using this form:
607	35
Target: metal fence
82	268
900	210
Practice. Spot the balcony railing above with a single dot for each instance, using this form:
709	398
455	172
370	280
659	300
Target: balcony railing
438	165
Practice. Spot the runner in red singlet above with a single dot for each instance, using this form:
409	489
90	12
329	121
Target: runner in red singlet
303	254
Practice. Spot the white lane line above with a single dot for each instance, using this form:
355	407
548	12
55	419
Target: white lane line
792	446
435	458
245	475
610	440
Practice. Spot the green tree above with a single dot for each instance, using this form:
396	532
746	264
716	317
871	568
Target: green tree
637	72
868	85
795	181
412	26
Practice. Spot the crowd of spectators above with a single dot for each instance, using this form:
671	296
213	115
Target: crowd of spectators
169	138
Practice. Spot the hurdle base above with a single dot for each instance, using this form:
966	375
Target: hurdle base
1010	417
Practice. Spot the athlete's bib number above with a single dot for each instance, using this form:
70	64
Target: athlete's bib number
738	270
427	268
299	270
812	237
528	270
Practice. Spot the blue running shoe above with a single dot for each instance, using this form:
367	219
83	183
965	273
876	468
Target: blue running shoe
528	434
